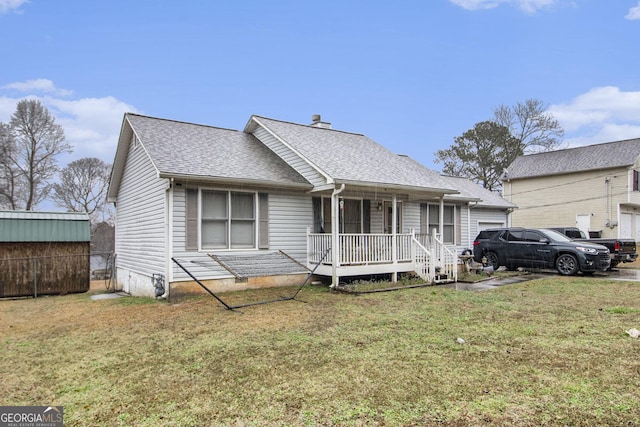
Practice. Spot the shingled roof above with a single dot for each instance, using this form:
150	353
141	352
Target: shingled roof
199	151
470	191
591	157
354	158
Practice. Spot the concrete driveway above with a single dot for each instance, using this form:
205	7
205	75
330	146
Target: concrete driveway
491	283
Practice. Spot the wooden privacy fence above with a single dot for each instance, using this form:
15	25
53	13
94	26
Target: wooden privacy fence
32	269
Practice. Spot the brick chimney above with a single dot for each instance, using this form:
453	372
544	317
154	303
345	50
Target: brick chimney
316	121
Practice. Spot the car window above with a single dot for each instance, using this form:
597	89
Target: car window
532	236
554	236
514	235
487	234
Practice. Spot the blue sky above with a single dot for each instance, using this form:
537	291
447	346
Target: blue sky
412	75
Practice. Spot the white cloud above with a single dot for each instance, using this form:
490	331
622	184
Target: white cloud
37	85
529	6
7	5
602	114
634	13
91	125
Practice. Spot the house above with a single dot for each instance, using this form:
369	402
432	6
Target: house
43	253
219	205
595	188
476	209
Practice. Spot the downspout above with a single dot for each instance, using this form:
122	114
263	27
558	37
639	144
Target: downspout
469	243
335	241
169	240
394	237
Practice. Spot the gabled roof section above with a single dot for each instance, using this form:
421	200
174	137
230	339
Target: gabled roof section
352	158
591	157
200	152
472	192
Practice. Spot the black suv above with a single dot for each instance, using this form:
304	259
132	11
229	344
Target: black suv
538	248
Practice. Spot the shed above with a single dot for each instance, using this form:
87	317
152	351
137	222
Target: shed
44	253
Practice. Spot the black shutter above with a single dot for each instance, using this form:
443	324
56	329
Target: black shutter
191	216
263	211
317	214
366	216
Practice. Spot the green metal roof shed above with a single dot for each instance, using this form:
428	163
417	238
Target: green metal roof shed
29	226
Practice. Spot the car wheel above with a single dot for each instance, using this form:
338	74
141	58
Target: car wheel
492	259
567	265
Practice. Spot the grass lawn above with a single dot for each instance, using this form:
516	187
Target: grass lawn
551	351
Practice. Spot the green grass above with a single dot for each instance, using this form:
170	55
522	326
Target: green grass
545	352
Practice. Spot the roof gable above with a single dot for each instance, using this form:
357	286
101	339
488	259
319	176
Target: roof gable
353	158
591	157
187	150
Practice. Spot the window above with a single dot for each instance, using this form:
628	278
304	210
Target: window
448	223
514	236
532	237
226	219
354	215
636	180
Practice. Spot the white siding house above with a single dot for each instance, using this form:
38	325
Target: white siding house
196	195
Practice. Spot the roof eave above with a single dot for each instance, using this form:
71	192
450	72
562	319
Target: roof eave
235	181
119	160
398	187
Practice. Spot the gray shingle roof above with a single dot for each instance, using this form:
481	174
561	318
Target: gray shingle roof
186	149
469	190
599	156
351	157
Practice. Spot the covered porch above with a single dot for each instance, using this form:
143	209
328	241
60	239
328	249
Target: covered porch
367	254
365	229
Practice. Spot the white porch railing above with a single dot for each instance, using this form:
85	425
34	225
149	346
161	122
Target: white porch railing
432	260
362	249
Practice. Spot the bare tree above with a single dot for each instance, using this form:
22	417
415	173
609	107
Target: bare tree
38	141
9	174
536	129
83	186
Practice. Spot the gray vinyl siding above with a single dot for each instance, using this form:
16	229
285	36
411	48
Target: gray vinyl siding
289	216
140	216
480	215
293	159
410	217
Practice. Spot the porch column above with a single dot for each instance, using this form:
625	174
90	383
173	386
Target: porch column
441	219
335	238
394	236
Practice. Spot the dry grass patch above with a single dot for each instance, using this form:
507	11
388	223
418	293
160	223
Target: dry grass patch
549	351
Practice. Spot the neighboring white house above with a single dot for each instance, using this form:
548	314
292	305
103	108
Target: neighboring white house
200	194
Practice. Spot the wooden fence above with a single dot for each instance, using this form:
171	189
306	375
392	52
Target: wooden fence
35	268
